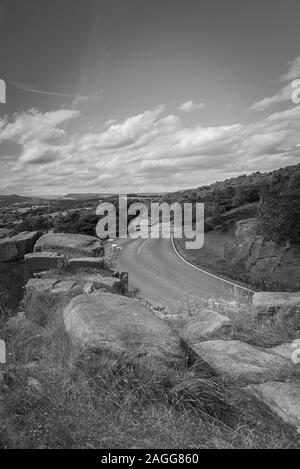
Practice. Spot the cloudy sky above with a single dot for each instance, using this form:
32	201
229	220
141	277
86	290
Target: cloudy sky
145	95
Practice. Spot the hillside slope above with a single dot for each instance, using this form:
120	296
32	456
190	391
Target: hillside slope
252	226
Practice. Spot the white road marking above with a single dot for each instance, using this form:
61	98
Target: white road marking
208	273
139	249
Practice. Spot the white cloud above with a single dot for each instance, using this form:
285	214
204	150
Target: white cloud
39	134
285	93
32	125
190	106
148	151
293	72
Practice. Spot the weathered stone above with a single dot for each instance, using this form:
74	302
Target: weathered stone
284	350
54	286
25	241
207	325
8	251
88	288
64	286
41	261
118	324
72	283
253	259
99	281
41	274
263	301
283	399
71	245
109	282
266	263
40	285
239	362
15	248
86	262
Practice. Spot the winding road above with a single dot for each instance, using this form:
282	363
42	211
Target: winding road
163	277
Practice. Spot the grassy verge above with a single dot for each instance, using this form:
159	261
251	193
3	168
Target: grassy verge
211	257
54	397
263	332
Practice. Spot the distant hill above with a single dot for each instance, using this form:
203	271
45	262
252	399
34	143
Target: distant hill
223	196
87	195
7	200
93	195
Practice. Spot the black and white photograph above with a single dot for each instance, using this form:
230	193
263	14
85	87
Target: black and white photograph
149	228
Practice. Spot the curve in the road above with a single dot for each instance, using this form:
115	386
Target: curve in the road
235	285
163	276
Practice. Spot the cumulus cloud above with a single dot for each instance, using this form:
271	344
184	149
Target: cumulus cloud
37	133
148	151
190	106
293	71
32	125
285	93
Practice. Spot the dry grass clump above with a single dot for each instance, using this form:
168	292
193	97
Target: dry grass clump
264	331
55	396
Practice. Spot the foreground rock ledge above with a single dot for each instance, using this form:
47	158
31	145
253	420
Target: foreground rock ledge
15	248
105	321
238	362
262	301
70	284
207	325
283	399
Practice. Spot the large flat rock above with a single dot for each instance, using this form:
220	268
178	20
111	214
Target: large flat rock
40	285
265	300
238	362
86	262
104	321
40	261
71	245
208	324
284	350
283	399
71	283
15	248
8	250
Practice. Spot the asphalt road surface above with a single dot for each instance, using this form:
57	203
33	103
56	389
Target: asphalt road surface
164	278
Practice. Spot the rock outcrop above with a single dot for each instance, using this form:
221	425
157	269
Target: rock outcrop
208	325
40	261
283	399
86	262
240	363
267	264
76	283
284	350
70	245
41	285
120	325
15	248
277	301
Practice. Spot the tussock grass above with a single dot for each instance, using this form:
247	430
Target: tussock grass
102	400
264	331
